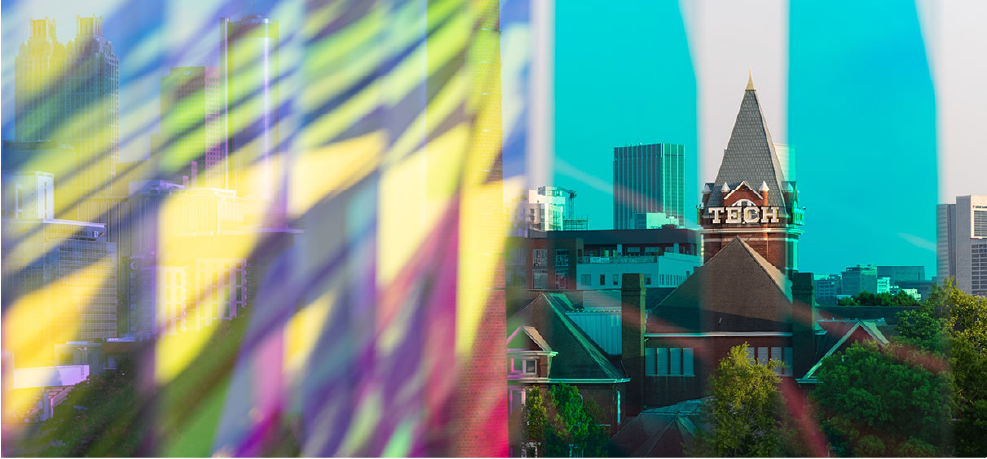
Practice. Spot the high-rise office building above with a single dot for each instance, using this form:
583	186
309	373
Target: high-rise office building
647	178
191	143
860	278
961	243
71	94
63	273
38	98
249	77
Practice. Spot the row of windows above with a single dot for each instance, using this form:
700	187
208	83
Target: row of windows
763	354
668	361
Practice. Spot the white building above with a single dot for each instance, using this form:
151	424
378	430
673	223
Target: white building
961	243
547	209
665	270
28	195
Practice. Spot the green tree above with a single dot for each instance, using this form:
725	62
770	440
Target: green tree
563	424
881	299
745	410
922	328
965	320
884	401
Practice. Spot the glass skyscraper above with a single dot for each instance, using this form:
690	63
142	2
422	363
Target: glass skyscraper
646	179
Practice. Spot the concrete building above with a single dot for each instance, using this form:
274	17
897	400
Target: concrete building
754	196
647	178
899	274
570	260
547	208
28	195
883	285
192	143
171	267
961	243
860	278
828	288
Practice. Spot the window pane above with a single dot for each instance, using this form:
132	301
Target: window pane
650	363
762	355
687	369
776	354
750	353
788	361
675	357
662	361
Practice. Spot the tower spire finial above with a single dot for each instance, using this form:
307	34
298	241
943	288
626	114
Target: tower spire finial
750	80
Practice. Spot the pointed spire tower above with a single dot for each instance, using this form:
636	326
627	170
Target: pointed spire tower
769	221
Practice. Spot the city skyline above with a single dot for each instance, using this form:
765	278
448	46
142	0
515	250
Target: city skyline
300	230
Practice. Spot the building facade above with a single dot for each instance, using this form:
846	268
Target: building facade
249	73
828	288
547	208
647	178
860	278
570	260
192	142
753	196
71	93
63	272
961	243
29	195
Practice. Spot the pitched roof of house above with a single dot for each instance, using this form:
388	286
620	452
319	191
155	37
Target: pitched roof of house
659	432
841	333
578	357
739	291
750	155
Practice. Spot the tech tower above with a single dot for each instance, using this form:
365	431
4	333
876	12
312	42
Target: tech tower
755	196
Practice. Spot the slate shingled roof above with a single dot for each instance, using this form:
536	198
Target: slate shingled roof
578	357
659	432
750	154
739	291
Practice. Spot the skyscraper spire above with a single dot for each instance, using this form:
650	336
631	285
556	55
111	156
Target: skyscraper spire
750	80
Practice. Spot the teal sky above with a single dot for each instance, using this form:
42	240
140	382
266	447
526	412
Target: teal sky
620	79
861	116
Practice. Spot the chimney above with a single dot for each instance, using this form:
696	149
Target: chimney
632	339
764	193
803	322
724	191
706	192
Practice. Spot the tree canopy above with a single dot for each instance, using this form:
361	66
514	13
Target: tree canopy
884	401
745	411
881	299
563	424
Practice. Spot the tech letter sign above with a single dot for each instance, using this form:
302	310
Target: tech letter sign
749	214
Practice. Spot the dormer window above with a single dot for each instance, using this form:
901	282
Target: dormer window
526	367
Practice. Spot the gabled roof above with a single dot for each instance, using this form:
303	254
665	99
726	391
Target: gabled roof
750	155
578	357
738	290
740	186
527	338
659	432
842	332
